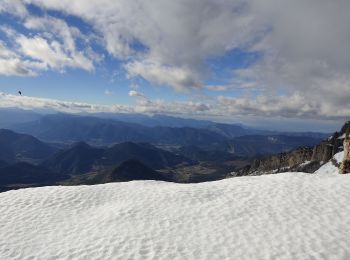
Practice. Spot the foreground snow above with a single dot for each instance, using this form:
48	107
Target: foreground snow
283	216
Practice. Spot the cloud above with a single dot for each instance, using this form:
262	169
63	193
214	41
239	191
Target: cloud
221	107
10	64
14	66
178	78
108	92
51	54
219	87
134	93
173	51
303	63
9	100
52	45
16	7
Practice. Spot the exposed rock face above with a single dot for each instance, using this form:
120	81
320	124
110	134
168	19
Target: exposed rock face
306	159
346	127
327	148
345	165
279	162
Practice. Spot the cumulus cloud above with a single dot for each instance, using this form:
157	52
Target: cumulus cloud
303	63
180	79
9	100
134	93
10	64
51	54
52	45
171	46
14	66
221	107
13	6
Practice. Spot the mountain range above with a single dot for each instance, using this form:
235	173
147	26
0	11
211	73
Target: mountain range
303	159
82	158
99	131
69	149
16	147
107	129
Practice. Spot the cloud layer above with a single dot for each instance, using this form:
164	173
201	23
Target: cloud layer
302	71
220	107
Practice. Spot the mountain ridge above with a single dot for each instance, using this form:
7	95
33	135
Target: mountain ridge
306	159
82	158
23	147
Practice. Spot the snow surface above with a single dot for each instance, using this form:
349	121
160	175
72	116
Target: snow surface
305	163
339	157
342	136
282	216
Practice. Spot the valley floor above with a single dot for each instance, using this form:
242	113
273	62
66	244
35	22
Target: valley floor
282	216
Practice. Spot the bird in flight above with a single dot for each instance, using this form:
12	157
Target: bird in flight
20	93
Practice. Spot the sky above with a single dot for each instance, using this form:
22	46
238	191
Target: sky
269	63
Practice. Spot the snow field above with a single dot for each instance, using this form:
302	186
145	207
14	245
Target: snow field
281	216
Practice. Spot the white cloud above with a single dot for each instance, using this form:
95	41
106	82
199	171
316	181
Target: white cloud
302	47
14	66
176	47
222	107
8	100
178	78
134	93
219	87
14	7
108	92
53	46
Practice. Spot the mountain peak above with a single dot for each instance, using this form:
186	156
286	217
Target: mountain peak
135	170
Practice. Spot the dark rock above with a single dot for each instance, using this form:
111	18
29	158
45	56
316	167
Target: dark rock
279	162
307	159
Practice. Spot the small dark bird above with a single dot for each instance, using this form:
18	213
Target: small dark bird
20	93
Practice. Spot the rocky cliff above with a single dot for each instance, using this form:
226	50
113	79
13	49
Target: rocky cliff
305	159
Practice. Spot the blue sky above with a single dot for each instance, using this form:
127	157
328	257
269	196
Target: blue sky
228	60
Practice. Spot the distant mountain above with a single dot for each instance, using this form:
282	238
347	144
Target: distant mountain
149	155
75	160
12	116
69	128
133	170
153	120
3	164
107	128
82	158
258	145
231	131
304	159
16	147
23	173
201	154
246	147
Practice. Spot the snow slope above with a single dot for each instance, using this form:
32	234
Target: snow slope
282	216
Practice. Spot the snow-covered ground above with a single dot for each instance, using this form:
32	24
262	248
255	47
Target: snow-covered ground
282	216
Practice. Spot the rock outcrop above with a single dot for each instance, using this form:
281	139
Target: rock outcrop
277	163
345	165
305	159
